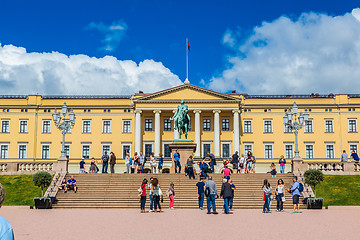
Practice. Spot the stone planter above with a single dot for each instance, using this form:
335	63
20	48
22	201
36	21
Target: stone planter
43	203
315	203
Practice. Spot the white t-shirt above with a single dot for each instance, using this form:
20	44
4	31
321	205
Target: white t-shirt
280	189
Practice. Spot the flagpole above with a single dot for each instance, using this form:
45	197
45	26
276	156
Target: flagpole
187	60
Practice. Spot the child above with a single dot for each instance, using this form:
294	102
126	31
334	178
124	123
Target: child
273	170
171	194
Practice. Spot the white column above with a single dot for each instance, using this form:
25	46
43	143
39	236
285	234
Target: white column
157	132
197	133
138	131
217	133
236	131
176	133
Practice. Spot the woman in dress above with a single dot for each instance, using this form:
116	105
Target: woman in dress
152	163
136	162
161	162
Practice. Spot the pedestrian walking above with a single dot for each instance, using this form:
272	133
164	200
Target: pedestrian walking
233	194
267	196
142	193
112	162
161	163
201	191
203	168
280	198
226	194
226	172
105	162
212	162
211	195
190	166
157	193
171	195
282	162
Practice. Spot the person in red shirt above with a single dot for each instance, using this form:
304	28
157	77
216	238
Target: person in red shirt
143	195
226	172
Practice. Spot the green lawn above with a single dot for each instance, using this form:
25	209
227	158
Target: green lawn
340	190
19	190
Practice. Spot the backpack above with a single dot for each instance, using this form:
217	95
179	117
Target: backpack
130	161
301	187
207	191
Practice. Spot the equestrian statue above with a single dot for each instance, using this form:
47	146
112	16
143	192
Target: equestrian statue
181	119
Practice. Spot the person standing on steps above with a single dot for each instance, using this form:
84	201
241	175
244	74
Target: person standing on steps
176	159
226	193
142	160
143	195
211	195
82	166
161	163
113	162
152	163
171	194
6	230
200	190
212	162
190	165
149	187
273	170
235	162
242	164
282	162
280	196
156	191
127	163
105	162
226	172
295	191
267	196
136	163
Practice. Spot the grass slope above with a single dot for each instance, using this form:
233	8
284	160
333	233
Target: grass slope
340	190
19	190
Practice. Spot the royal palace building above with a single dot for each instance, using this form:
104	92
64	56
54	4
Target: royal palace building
221	123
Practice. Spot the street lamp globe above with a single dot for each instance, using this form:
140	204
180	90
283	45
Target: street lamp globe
64	109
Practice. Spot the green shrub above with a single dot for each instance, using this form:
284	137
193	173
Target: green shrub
313	177
42	180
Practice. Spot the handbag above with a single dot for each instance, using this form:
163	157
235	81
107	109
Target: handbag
160	192
283	199
241	165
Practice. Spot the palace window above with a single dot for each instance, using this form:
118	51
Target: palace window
167	125
329	128
309	126
267	126
86	126
5	126
289	151
126	150
206	148
167	152
23	126
247	126
268	151
330	151
46	126
226	150
225	124
148	125
247	148
206	124
45	152
4	151
352	126
126	126
67	151
287	128
107	126
106	148
353	147
309	151
148	150
86	151
22	151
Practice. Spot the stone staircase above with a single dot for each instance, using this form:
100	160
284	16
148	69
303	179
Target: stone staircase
120	191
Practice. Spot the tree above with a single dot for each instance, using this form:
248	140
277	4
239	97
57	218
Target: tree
42	180
313	177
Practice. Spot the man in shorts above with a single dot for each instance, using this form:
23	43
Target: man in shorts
294	190
6	231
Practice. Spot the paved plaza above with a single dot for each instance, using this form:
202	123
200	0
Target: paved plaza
334	223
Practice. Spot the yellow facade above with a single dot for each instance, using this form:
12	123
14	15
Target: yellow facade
334	124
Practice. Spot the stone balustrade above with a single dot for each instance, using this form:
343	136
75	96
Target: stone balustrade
331	167
17	168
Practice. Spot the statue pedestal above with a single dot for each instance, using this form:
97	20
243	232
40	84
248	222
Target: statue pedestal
185	147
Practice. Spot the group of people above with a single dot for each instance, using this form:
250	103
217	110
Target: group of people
295	191
155	195
242	164
68	185
353	157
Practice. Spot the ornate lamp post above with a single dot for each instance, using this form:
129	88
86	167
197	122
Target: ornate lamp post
66	124
290	121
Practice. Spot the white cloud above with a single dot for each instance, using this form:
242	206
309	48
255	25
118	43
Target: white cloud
57	73
113	33
314	53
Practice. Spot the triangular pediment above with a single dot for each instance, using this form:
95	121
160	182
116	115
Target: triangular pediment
187	92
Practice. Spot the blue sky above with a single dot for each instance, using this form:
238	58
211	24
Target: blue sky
218	32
